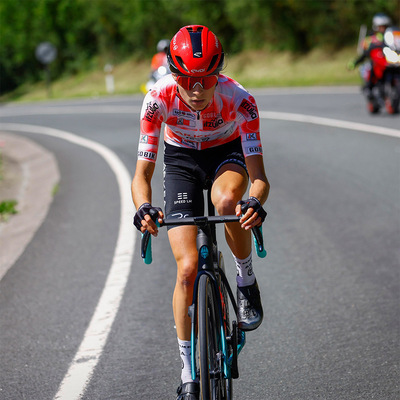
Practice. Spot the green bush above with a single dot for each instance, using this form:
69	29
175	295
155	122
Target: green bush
110	30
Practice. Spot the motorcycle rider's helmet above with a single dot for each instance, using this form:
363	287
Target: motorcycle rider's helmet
195	51
163	45
380	19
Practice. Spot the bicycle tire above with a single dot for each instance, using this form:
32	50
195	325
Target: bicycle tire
209	357
227	387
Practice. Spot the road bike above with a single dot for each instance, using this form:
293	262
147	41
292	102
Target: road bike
215	341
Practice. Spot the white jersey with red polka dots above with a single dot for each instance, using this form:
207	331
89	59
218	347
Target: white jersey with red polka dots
231	113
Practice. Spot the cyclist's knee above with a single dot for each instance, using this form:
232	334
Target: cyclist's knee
187	270
226	202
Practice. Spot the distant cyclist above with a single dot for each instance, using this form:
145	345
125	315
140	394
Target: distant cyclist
211	133
159	66
160	58
372	50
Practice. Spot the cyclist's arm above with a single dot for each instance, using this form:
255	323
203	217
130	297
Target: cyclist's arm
141	191
259	188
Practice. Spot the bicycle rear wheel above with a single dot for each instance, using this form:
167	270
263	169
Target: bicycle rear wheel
209	357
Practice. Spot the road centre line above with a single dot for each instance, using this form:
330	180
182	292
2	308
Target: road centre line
82	367
69	110
283	116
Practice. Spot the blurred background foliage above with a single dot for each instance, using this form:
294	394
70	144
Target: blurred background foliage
90	33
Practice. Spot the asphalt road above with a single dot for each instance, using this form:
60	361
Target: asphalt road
330	282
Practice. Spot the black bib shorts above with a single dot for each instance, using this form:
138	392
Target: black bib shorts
187	173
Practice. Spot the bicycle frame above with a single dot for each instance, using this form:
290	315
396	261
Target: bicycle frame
208	265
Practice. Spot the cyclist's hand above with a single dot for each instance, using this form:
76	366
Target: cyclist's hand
145	217
252	213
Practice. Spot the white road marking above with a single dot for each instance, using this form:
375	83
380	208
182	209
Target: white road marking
283	116
69	110
81	369
336	123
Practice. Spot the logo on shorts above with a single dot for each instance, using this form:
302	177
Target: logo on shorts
179	215
183	198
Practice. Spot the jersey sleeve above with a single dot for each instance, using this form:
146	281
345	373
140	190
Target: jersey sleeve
249	123
151	118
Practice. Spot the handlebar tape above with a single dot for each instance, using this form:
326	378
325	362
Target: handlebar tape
145	246
258	241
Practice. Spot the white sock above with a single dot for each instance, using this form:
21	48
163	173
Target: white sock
245	275
185	353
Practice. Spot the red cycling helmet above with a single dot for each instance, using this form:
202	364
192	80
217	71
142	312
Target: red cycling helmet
195	51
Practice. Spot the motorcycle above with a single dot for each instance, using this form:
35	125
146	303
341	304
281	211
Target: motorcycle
392	72
385	67
155	75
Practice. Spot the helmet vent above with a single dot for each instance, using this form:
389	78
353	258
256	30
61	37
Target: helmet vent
198	28
181	63
212	63
195	38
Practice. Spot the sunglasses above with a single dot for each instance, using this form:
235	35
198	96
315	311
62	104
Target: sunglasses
188	82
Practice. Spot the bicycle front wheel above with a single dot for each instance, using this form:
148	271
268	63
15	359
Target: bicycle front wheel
209	357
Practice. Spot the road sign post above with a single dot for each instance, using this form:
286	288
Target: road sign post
46	53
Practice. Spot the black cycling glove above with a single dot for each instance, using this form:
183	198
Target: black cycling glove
145	208
255	204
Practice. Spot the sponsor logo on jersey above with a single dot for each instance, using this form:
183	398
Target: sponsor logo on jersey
184	114
254	149
151	110
214	123
250	109
185	122
143	138
210	115
251	136
147	154
146	139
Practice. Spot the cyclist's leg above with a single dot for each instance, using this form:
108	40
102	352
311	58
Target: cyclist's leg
183	245
228	188
183	197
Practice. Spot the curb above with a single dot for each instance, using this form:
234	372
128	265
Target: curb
30	178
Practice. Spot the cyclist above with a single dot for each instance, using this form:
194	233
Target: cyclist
160	58
211	132
372	50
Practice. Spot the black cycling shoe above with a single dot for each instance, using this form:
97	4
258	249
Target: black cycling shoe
188	391
250	311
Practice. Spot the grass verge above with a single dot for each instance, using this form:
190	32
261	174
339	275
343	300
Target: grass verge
7	208
251	68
